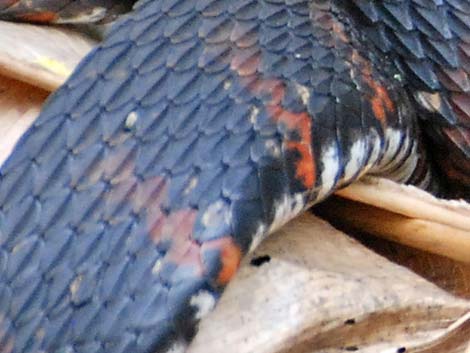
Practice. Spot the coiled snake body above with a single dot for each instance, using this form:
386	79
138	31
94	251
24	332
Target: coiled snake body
197	128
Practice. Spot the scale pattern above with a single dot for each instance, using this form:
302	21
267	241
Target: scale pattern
429	42
60	11
194	130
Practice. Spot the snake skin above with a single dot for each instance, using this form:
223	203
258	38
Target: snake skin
429	43
192	132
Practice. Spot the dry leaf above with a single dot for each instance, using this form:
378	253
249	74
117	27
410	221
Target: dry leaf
451	275
40	56
323	292
431	236
19	106
409	201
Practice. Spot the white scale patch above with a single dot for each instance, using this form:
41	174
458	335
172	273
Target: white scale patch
394	157
178	347
131	119
397	147
191	185
204	302
404	173
356	161
157	266
216	213
404	149
260	235
286	209
273	148
330	161
375	142
254	112
393	138
227	84
303	92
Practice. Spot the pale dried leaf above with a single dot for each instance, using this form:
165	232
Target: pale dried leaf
451	275
409	201
19	106
323	292
434	237
41	56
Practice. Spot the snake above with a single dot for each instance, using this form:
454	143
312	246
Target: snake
195	129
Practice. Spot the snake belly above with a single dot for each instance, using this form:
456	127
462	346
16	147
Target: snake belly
193	131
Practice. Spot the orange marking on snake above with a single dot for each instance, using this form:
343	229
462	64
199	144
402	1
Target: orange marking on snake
302	123
305	170
230	257
381	102
39	17
175	227
151	195
274	89
246	64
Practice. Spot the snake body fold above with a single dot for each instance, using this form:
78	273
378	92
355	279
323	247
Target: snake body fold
193	131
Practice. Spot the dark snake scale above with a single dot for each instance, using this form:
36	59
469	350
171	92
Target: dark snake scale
195	129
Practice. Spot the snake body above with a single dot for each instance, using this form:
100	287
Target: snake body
194	130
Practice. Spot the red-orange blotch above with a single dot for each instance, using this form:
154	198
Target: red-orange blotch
230	257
